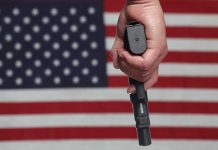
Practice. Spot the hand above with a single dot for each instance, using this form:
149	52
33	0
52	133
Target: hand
142	68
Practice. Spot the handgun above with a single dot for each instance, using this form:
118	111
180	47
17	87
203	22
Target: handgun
135	43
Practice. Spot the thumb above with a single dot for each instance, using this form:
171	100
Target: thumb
118	44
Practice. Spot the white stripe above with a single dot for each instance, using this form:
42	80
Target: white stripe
107	94
196	20
109	120
185	69
182	44
64	94
176	69
111	18
105	144
181	94
191	44
175	19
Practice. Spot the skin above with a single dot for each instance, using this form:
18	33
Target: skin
142	68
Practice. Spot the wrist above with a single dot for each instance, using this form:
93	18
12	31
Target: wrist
140	1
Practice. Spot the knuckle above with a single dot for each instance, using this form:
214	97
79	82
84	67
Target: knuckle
145	66
143	77
164	51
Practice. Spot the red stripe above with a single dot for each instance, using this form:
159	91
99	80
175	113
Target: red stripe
172	82
192	32
110	30
183	107
192	57
105	107
174	6
110	6
188	82
190	6
185	57
105	133
64	107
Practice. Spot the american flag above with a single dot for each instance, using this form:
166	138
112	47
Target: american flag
58	89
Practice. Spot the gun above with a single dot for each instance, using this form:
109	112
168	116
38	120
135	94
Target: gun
135	43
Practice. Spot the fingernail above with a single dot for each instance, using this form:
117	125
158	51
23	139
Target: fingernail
131	90
116	66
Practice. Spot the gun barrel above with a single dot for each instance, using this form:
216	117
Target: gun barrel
140	108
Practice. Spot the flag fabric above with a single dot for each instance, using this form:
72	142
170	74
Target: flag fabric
59	90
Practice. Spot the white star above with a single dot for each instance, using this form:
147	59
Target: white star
9	55
1	63
36	28
56	62
16	11
94	45
27	37
83	19
73	11
55	28
64	20
56	46
66	54
37	46
28	55
26	20
38	80
35	11
45	20
66	71
9	73
18	81
91	10
75	45
17	46
1	81
85	71
7	20
75	79
92	27
37	63
75	62
8	37
85	54
18	63
47	54
94	62
48	72
65	37
84	36
94	80
46	37
54	11
57	80
74	28
29	72
17	28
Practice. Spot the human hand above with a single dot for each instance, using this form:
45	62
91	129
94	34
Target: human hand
141	68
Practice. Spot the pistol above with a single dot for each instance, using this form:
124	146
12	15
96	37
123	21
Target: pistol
135	43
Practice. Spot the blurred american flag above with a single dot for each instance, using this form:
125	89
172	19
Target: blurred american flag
58	89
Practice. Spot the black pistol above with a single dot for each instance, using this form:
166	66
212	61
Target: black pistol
135	43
